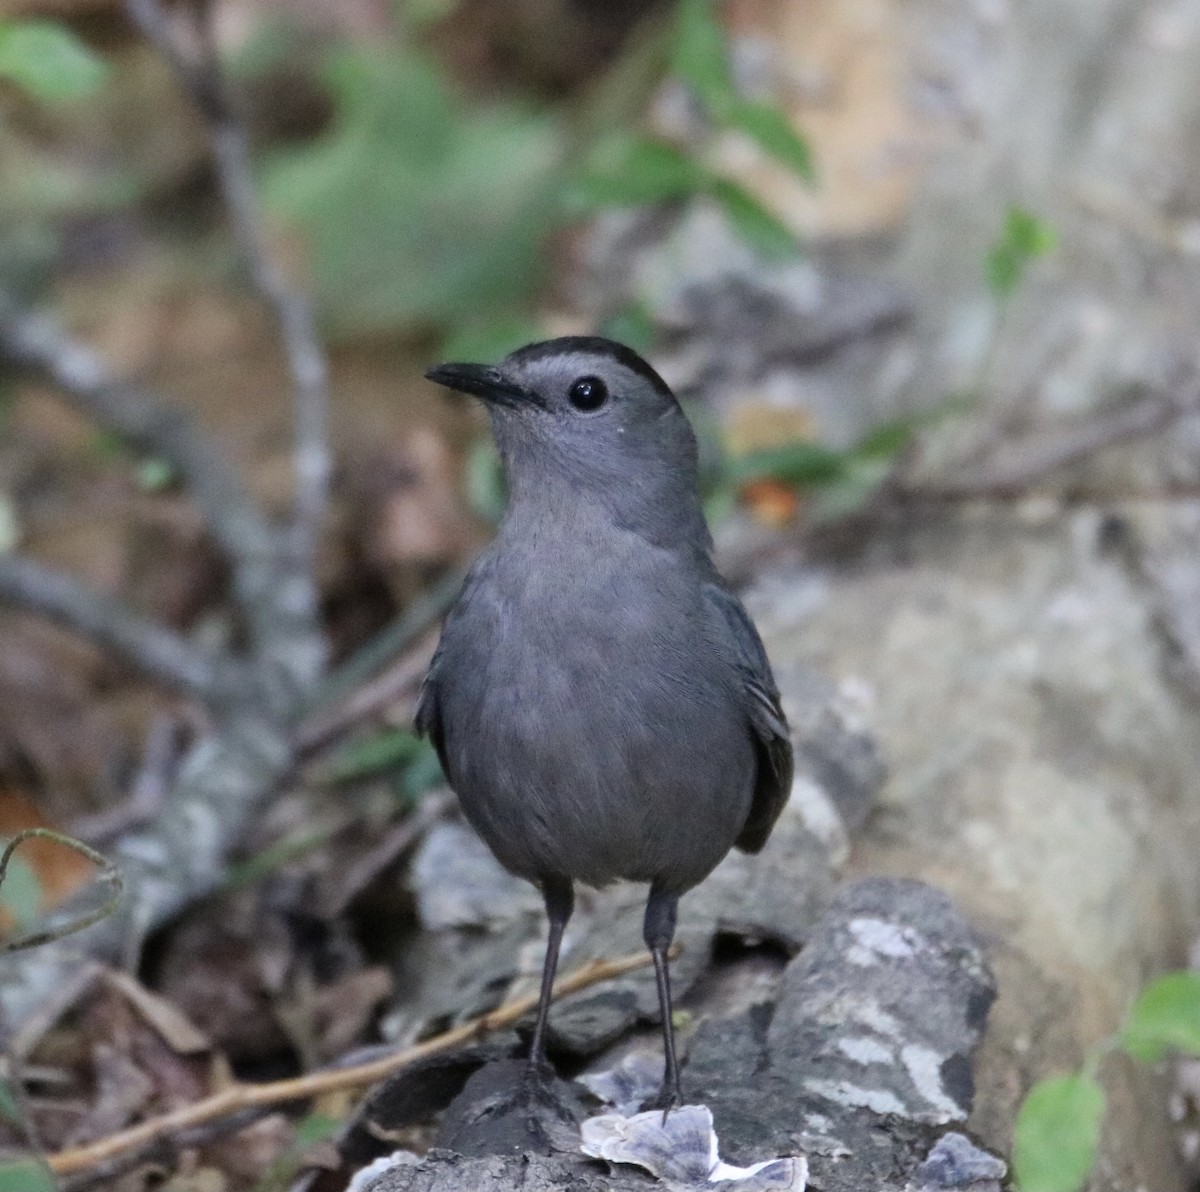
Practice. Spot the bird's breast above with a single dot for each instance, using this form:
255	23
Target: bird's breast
591	722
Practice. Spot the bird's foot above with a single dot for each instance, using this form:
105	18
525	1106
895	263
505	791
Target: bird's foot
536	1086
668	1097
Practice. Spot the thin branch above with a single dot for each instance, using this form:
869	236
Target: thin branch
38	345
153	648
199	72
387	645
335	897
239	1097
107	874
160	757
1022	464
320	730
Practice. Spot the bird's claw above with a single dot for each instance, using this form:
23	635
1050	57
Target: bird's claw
667	1098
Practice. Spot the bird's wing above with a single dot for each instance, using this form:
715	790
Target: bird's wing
427	719
773	744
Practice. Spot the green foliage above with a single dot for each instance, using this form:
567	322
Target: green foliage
314	1128
699	56
491	340
21	892
634	326
48	61
274	857
1058	1126
486	490
376	754
701	59
25	1175
629	170
775	134
802	464
418	13
1023	238
1057	1130
415	210
155	475
752	221
10	1111
421	774
1165	1017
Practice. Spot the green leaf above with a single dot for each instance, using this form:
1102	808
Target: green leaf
633	326
316	1127
10	1111
803	464
888	438
774	132
372	755
417	211
1165	1017
155	474
1023	238
25	1175
700	56
762	230
1057	1130
489	340
487	491
1027	234
423	773
47	60
631	170
21	893
274	857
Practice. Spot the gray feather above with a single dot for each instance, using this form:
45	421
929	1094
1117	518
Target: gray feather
600	702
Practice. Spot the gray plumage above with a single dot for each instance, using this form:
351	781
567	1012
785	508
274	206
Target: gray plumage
600	700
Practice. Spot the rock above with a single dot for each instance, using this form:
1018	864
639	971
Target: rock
459	883
956	1162
499	1112
869	1047
885	1006
1019	694
445	1171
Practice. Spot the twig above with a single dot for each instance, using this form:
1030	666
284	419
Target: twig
334	899
320	730
239	1097
160	755
200	76
1023	464
389	643
163	1151
37	344
153	648
107	874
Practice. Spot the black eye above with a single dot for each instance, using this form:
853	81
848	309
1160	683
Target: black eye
588	393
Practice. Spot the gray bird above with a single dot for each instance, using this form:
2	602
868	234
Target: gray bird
600	700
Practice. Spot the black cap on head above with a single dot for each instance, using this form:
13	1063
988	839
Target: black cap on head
591	344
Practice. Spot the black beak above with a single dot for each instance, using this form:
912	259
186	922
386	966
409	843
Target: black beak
482	381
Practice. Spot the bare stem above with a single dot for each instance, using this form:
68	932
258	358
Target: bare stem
107	874
153	648
239	1097
199	73
1018	466
36	344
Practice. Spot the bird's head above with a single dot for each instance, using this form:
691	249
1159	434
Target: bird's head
587	418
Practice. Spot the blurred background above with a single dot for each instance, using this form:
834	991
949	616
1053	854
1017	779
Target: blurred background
925	275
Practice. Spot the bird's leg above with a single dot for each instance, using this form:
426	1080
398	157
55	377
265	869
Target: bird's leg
659	930
560	902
